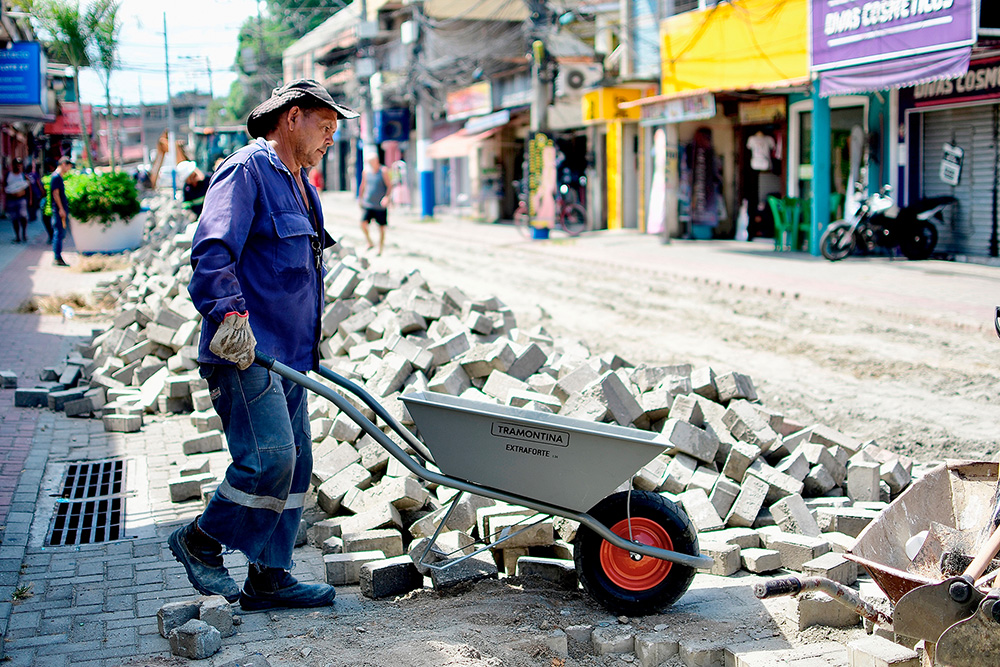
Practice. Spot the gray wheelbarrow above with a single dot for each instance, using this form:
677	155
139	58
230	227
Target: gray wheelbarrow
635	551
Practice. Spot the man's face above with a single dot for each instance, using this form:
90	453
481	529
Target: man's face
314	134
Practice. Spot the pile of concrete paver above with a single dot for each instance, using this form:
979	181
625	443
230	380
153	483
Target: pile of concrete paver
763	492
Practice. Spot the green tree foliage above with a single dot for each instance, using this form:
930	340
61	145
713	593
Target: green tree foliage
105	60
261	43
71	37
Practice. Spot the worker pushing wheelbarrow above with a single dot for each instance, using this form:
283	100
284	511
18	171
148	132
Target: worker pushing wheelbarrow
257	259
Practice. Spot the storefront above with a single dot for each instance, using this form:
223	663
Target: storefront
616	129
952	132
717	134
862	53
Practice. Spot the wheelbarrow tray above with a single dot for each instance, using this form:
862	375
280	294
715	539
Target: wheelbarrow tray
566	462
957	496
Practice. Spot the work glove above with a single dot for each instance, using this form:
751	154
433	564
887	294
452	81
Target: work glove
234	340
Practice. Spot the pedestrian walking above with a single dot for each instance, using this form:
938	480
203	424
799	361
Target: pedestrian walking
257	256
376	187
18	191
60	207
37	202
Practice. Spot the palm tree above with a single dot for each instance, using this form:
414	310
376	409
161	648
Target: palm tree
106	33
73	39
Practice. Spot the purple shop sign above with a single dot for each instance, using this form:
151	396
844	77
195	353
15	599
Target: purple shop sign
854	32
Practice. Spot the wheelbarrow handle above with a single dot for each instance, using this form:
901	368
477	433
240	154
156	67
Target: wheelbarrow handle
267	361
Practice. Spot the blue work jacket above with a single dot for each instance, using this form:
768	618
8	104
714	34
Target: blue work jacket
253	251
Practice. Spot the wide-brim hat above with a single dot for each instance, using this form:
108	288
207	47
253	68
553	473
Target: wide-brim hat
258	122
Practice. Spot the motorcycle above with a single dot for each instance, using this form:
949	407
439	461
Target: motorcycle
880	223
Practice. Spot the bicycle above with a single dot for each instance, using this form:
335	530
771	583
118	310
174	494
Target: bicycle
571	217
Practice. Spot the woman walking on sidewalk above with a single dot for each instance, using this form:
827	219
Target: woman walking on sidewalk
18	191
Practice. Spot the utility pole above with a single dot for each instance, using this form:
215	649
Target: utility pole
421	108
364	78
171	129
425	165
170	159
208	68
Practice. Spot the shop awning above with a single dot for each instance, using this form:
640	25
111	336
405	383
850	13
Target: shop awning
459	144
738	45
896	73
764	88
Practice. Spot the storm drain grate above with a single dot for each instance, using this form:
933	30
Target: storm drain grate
91	505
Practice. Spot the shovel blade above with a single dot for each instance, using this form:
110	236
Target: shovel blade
927	611
973	642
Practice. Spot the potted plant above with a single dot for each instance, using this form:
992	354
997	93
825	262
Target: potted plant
104	212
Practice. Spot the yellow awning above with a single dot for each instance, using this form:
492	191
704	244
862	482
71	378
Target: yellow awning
740	45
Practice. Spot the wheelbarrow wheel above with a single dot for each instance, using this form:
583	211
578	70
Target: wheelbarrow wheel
617	581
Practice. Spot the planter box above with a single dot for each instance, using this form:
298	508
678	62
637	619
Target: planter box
121	235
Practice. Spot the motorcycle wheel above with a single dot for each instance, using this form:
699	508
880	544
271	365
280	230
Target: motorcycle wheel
920	242
837	242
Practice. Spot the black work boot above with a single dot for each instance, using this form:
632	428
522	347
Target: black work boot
268	587
201	556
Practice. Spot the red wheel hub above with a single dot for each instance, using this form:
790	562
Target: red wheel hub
636	575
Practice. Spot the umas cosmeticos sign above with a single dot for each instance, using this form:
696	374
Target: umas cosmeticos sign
854	32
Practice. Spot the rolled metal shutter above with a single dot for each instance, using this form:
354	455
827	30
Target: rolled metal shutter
968	226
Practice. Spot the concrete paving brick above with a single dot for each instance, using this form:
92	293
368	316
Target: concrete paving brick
832	566
344	569
747	425
741	455
390	577
792	516
622	405
575	382
779	484
679	473
689	439
560	572
703	383
723	495
796	550
748	503
613	639
863	481
527	362
818	609
760	561
702	652
655	648
701	511
469	570
388	542
734	386
847	520
726	558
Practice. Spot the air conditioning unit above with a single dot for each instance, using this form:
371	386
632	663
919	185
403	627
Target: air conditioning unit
575	78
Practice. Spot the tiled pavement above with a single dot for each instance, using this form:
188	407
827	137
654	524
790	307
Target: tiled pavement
94	604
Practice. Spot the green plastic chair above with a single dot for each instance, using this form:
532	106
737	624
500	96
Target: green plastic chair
781	229
797	221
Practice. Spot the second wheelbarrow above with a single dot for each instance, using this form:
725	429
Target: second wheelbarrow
635	552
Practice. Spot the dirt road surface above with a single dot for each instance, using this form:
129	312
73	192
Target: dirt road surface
896	351
899	352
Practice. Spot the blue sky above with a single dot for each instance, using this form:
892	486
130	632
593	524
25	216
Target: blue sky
197	29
